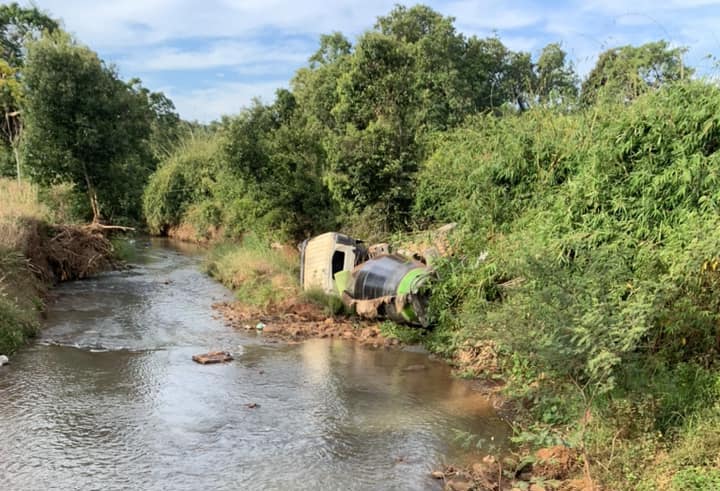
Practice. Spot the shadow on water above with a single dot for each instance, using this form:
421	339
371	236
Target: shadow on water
108	397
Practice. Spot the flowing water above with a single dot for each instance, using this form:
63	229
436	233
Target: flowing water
108	398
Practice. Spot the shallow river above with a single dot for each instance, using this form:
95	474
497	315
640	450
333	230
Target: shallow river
108	398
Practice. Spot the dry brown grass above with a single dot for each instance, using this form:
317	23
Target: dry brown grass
18	204
54	253
20	200
187	232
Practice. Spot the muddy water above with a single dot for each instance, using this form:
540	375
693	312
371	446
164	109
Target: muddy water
108	398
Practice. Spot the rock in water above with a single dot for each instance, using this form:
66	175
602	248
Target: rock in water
213	357
4	360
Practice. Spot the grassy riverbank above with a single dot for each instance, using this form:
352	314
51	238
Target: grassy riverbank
35	253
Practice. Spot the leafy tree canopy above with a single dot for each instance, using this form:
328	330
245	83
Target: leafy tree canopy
85	125
17	24
623	73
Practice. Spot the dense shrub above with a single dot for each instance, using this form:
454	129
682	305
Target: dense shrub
600	236
185	177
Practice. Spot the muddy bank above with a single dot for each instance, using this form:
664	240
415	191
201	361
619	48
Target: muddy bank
552	468
301	321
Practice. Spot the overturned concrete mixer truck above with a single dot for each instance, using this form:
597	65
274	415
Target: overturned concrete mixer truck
373	281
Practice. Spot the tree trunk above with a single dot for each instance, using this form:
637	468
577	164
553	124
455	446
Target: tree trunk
94	204
13	131
92	194
16	152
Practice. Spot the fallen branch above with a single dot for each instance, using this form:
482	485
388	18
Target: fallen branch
100	226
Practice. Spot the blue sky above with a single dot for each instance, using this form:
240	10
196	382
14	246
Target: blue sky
212	57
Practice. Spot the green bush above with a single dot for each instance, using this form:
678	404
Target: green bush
696	479
19	302
588	248
184	178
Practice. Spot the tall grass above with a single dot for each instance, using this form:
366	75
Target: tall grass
18	296
261	276
20	200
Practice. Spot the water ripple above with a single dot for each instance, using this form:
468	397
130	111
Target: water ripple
109	399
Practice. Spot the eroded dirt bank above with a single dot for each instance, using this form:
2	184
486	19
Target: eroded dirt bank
66	252
34	256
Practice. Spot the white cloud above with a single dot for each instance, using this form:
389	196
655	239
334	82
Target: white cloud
256	44
650	7
217	54
114	24
207	104
473	16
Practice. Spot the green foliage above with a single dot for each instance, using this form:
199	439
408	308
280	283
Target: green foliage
406	334
186	177
124	249
17	25
696	479
65	203
345	144
556	81
167	131
16	324
11	97
279	156
331	304
260	171
18	302
85	126
493	169
624	73
587	250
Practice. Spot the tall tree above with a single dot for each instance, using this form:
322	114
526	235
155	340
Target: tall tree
332	47
166	127
410	76
556	81
11	96
17	25
84	124
374	152
623	73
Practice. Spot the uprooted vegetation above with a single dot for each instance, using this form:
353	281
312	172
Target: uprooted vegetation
33	255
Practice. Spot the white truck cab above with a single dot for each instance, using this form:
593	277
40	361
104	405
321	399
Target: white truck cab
326	255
